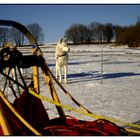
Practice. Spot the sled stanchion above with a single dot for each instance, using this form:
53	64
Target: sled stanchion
36	78
52	89
35	75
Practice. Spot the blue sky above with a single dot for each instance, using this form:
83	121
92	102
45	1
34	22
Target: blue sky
55	19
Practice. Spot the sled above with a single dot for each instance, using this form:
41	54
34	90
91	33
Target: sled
26	115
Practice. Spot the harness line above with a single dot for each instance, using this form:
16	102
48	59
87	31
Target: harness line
79	111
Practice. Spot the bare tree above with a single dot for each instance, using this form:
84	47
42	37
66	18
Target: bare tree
17	37
36	31
84	34
97	31
71	34
138	20
122	36
78	34
4	36
108	32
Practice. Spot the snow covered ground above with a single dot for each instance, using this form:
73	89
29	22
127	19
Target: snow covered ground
114	93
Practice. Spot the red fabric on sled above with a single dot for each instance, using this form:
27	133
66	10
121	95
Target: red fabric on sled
16	127
70	126
32	109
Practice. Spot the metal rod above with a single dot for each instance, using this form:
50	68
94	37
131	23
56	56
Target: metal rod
102	64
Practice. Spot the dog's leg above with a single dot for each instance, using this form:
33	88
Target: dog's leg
60	75
65	74
56	71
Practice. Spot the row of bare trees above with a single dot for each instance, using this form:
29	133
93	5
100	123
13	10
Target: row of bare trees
97	32
94	32
16	37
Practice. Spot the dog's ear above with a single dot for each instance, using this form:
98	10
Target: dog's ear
65	39
61	40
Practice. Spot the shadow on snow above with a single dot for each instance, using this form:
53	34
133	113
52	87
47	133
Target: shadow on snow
89	76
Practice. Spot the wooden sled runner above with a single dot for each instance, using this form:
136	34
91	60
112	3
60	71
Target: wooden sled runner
27	115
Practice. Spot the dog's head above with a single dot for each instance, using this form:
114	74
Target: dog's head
63	45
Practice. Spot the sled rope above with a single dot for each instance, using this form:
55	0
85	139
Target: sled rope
64	90
79	111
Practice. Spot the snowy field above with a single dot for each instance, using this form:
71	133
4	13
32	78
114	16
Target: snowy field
114	93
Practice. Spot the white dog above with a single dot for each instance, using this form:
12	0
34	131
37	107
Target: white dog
61	58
